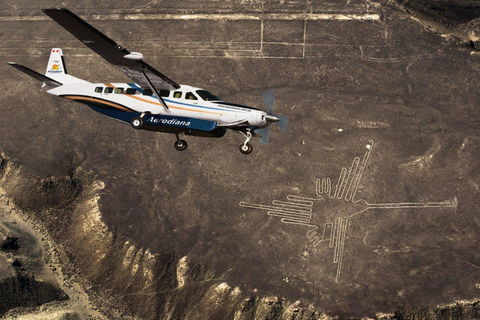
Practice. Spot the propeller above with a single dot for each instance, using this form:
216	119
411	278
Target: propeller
281	121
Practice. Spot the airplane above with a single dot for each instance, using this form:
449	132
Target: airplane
153	101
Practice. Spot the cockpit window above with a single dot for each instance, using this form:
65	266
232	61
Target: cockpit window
190	96
177	94
207	96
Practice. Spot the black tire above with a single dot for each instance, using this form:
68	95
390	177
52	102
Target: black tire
246	149
180	145
137	123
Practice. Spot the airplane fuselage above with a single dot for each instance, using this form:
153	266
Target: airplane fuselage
184	102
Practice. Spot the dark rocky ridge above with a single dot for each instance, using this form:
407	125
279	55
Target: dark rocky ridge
126	209
448	12
20	289
459	18
24	291
10	243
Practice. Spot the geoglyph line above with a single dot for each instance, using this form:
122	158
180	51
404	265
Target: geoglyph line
341	248
213	16
315	239
276	208
408	205
419	205
298	210
348	180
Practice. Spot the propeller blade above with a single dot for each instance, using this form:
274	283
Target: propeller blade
264	134
281	121
268	98
282	124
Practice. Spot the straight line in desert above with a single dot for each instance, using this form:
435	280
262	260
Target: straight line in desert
214	16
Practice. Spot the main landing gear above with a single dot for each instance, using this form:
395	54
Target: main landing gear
137	122
180	144
246	147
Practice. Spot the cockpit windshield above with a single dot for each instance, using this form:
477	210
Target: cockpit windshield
207	96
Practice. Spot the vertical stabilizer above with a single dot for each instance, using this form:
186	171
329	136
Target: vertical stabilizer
56	64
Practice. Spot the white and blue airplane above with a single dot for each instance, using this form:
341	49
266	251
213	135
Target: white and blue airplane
153	102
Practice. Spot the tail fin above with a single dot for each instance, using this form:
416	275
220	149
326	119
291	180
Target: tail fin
56	64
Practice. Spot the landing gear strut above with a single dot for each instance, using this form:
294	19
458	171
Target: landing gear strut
180	144
246	147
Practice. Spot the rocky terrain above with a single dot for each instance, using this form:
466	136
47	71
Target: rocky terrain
459	18
100	221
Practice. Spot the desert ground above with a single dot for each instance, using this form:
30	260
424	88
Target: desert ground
366	207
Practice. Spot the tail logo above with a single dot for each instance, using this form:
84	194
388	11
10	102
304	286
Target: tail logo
55	68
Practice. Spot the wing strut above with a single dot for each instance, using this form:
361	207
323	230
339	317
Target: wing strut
150	85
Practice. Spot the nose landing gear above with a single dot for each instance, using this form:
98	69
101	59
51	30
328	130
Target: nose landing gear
180	144
246	147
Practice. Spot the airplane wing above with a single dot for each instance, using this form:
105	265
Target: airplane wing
132	65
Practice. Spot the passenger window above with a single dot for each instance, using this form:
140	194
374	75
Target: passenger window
177	94
147	92
164	93
108	90
118	90
98	89
190	96
130	91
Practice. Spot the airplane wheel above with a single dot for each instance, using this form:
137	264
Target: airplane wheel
180	145
137	123
246	149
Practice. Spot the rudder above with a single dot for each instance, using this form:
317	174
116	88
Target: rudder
56	64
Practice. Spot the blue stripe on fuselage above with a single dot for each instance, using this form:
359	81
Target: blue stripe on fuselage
123	116
159	120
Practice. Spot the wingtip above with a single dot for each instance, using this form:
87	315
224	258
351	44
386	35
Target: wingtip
53	9
46	10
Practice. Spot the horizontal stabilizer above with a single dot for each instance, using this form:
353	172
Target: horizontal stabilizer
36	75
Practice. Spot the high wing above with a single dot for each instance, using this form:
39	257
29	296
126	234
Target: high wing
132	65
